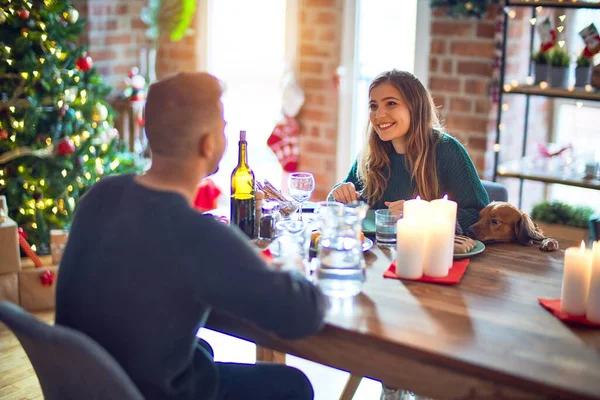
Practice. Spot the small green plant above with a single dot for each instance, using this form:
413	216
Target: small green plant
541	58
559	58
583	61
557	212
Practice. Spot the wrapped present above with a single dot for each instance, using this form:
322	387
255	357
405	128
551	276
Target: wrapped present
37	285
10	260
9	287
207	196
58	241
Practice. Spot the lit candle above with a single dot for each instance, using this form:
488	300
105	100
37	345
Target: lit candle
576	280
592	311
416	209
410	244
446	209
439	247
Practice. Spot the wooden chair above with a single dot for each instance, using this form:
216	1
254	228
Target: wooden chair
127	123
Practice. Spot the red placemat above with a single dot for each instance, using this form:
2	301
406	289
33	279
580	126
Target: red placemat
553	305
454	275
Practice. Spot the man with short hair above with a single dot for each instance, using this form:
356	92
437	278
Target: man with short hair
142	268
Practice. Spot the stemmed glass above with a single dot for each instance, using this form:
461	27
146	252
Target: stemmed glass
300	187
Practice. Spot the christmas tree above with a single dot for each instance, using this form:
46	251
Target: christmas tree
56	134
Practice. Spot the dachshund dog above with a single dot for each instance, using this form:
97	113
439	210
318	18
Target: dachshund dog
503	222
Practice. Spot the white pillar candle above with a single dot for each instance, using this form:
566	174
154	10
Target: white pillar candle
410	245
439	247
592	311
416	209
446	209
576	280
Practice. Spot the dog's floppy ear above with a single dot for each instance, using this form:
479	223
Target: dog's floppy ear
526	230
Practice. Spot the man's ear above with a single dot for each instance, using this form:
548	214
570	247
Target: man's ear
206	145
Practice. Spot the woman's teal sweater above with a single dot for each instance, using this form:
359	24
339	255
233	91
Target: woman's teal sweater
456	175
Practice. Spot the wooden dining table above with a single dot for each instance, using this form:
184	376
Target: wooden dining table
484	338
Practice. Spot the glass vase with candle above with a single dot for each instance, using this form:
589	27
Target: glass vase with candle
341	265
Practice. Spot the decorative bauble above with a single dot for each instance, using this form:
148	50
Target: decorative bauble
99	112
469	5
65	147
2	17
84	63
23	14
3	134
72	16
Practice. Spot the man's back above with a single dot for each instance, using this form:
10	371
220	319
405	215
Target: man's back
141	271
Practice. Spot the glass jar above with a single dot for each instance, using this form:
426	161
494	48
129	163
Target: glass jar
267	225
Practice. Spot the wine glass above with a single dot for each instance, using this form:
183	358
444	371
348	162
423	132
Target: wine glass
300	187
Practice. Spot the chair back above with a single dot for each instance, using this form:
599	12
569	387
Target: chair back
495	191
68	364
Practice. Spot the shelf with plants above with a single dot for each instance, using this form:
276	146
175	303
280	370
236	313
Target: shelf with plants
550	67
554	3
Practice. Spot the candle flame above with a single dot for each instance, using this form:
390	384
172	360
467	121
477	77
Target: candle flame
582	248
445	196
418	197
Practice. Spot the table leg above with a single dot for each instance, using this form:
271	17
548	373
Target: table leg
267	355
350	388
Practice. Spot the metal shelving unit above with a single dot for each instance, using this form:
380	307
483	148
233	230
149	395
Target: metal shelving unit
516	170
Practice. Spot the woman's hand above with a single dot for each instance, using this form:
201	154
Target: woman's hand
345	193
396	207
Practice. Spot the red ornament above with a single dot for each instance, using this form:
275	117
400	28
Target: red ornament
84	63
23	14
47	278
65	147
3	134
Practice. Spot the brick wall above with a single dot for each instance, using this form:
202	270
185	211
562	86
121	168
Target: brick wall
320	27
115	39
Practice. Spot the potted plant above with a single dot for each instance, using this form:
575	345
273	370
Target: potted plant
561	221
541	68
559	67
583	71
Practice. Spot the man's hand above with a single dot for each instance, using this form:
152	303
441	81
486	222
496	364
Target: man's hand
345	193
396	207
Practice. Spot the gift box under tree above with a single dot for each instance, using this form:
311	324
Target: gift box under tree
10	262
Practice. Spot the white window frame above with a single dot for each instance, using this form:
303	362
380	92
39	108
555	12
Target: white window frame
348	74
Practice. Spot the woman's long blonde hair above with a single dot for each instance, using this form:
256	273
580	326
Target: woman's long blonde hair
423	134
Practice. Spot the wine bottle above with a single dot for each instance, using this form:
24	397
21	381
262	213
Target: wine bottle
242	191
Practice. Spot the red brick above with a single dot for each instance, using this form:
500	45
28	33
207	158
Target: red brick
103	55
315	116
118	39
433	64
326	18
473	49
492	12
121	69
303	18
447	66
320	3
314	99
475	87
312	50
454	28
328	35
307	34
440	12
137	23
475	68
486	30
319	147
111	25
482	106
477	143
438	46
313	83
440	101
311	67
444	85
122	9
315	132
458	104
456	122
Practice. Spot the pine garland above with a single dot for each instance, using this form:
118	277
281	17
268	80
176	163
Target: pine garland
461	8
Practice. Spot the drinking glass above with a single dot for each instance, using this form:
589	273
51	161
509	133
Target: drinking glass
385	228
300	187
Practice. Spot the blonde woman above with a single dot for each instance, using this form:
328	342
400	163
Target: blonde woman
408	155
